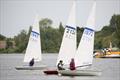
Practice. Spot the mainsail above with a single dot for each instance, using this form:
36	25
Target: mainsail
68	45
34	45
84	54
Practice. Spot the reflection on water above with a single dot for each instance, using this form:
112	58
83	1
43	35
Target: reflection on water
110	69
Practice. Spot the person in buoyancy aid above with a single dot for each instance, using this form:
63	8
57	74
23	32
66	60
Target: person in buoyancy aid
60	65
72	64
31	63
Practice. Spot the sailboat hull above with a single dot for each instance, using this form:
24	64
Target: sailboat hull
80	72
50	72
31	68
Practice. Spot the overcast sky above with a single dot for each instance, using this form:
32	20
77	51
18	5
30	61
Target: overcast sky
16	15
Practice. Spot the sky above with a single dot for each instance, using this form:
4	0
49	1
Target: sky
16	15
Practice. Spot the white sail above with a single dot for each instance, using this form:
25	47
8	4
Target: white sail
84	54
68	45
34	45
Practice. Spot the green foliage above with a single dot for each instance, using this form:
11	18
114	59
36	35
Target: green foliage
9	46
51	38
2	37
45	22
2	50
61	28
21	41
115	22
79	34
9	43
109	34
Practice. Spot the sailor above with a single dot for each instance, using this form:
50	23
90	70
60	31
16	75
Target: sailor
31	63
60	65
72	64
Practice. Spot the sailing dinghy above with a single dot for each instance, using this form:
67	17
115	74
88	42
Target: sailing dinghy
68	45
33	49
84	55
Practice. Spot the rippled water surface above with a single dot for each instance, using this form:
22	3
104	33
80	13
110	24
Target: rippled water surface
110	69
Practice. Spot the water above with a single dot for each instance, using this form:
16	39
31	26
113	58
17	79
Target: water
110	69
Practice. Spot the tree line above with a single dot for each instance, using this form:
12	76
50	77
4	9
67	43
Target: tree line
51	38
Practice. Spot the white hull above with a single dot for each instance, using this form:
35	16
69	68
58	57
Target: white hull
31	67
80	72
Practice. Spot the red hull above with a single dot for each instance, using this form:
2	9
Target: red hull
51	72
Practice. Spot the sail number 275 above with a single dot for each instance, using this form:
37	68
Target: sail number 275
70	33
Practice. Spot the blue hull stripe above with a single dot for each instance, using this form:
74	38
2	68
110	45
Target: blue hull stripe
70	27
35	32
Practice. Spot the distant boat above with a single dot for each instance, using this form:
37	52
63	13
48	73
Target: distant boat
111	52
33	50
84	55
